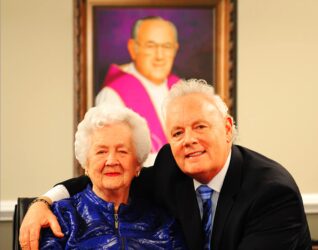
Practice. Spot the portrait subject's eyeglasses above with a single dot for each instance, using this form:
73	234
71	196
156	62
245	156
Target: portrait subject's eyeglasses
152	47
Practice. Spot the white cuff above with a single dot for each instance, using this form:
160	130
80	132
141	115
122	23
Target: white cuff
57	193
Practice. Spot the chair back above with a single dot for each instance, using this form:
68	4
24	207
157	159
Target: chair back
19	211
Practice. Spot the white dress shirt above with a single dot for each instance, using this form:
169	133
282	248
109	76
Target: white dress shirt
216	184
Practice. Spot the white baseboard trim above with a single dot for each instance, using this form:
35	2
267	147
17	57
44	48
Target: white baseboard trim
7	209
310	203
7	206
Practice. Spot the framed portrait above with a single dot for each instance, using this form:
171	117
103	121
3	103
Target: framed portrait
206	34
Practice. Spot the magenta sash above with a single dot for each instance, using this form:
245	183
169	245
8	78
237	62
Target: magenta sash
135	96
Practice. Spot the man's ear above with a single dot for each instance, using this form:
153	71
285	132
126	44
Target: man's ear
131	46
177	47
229	127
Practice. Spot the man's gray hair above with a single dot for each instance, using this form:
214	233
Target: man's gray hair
190	86
97	117
137	24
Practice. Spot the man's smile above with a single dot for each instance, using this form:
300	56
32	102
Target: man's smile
195	154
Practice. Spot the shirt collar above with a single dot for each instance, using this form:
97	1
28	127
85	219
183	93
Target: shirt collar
217	181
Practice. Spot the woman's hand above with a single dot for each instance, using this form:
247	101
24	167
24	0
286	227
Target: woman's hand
39	215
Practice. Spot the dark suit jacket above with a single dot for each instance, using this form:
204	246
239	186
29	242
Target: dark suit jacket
259	207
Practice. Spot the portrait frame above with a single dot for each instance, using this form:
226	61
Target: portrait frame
223	46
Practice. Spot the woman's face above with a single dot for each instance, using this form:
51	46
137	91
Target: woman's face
112	161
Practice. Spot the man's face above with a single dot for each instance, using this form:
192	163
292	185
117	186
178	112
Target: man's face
154	50
200	137
112	161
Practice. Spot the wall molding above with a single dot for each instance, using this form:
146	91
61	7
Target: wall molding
7	209
310	203
7	206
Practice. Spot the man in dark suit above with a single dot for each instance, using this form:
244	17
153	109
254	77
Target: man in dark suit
256	203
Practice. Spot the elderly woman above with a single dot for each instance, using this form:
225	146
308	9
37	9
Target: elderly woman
111	146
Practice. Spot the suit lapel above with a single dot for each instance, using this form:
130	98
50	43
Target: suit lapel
231	186
189	213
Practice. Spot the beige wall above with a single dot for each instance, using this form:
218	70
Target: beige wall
277	84
36	95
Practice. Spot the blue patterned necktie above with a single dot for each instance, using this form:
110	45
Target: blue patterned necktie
206	195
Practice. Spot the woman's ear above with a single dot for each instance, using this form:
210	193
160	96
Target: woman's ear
86	172
138	169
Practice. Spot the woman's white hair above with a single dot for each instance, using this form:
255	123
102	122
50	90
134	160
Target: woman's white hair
190	86
101	115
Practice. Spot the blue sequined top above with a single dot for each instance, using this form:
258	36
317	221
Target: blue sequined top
88	222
